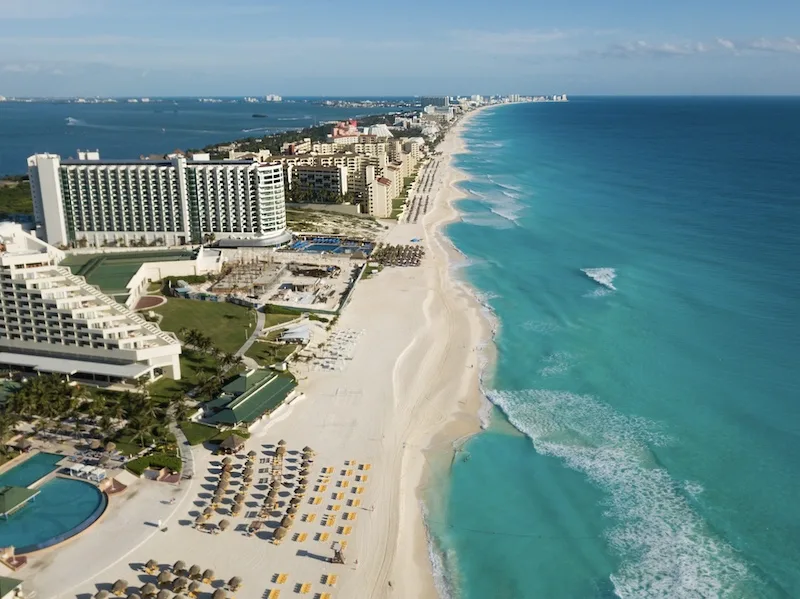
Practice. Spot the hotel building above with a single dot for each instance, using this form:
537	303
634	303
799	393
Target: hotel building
54	321
97	202
325	181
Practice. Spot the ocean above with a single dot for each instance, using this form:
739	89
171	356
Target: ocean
641	257
128	130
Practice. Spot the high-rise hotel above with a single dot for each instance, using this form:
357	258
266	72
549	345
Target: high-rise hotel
54	321
89	201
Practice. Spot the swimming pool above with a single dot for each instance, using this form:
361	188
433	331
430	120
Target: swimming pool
31	470
62	509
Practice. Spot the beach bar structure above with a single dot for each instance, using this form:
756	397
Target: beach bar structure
10	588
92	473
13	498
249	397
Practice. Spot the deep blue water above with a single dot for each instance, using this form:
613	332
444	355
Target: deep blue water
659	421
124	130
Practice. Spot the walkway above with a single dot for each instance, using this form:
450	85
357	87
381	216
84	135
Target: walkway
256	332
187	457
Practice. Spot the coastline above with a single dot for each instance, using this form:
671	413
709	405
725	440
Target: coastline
458	420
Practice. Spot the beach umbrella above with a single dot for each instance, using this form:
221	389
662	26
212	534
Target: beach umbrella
208	575
194	587
151	564
164	577
227	461
148	589
307	449
286	522
303	481
252	453
95	444
194	571
208	511
294	500
281	442
101	595
180	584
292	511
256	525
240	497
279	533
110	446
178	567
304	471
120	586
224	524
273	493
236	509
163	594
219	594
227	468
281	451
219	494
234	583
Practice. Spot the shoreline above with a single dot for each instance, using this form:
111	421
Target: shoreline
467	417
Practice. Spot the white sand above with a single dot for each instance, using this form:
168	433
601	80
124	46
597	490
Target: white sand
411	386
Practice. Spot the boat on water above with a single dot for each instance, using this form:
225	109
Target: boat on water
259	116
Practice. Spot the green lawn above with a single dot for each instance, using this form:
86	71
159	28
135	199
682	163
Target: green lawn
192	362
267	354
227	324
202	433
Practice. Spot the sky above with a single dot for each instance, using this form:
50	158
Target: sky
64	48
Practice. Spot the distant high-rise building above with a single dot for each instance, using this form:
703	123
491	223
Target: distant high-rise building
435	101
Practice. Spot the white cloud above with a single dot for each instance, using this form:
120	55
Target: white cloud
727	44
785	45
47	9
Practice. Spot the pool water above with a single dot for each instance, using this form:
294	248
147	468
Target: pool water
31	470
62	508
54	515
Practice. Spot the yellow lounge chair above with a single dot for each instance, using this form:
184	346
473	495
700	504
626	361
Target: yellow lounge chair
343	545
310	517
347	530
337	507
317	500
282	578
349	473
302	537
331	580
338	495
355	502
324	596
344	484
305	588
274	594
324	536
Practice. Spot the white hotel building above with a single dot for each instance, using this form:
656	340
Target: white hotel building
54	321
89	201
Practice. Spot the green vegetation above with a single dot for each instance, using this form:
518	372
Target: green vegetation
198	433
155	460
227	325
266	353
15	197
370	270
271	310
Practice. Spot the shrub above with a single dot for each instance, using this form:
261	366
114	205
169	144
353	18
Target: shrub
156	460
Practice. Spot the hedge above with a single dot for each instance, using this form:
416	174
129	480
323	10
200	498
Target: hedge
156	460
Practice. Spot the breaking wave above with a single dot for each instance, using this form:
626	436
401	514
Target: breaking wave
604	276
666	549
71	122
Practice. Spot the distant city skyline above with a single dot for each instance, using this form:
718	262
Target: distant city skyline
55	48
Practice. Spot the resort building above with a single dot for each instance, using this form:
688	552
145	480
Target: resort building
434	101
89	201
318	183
297	147
54	321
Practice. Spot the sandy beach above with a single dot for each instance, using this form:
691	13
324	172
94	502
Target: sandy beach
411	389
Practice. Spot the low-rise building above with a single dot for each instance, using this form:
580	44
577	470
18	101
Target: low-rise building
297	147
54	321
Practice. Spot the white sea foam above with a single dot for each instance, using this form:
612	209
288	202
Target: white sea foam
542	327
492	220
599	292
693	488
556	363
443	563
667	551
604	276
71	122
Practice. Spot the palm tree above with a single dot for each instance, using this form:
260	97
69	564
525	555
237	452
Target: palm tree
230	359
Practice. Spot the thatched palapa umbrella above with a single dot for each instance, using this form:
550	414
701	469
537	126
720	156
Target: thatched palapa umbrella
252	453
286	522
208	512
281	451
194	588
164	577
163	594
292	510
148	590
101	595
281	442
279	533
304	471
303	481
227	461
199	520
234	583
308	450
95	444
256	526
224	524
194	572
236	509
178	567
151	564
110	446
180	584
208	576
294	500
219	594
227	468
240	497
120	587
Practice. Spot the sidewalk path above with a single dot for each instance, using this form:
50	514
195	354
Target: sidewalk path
256	332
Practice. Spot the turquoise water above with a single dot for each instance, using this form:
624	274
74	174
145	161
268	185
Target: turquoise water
61	506
641	257
31	470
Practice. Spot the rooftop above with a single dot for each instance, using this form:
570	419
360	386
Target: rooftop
250	396
13	497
